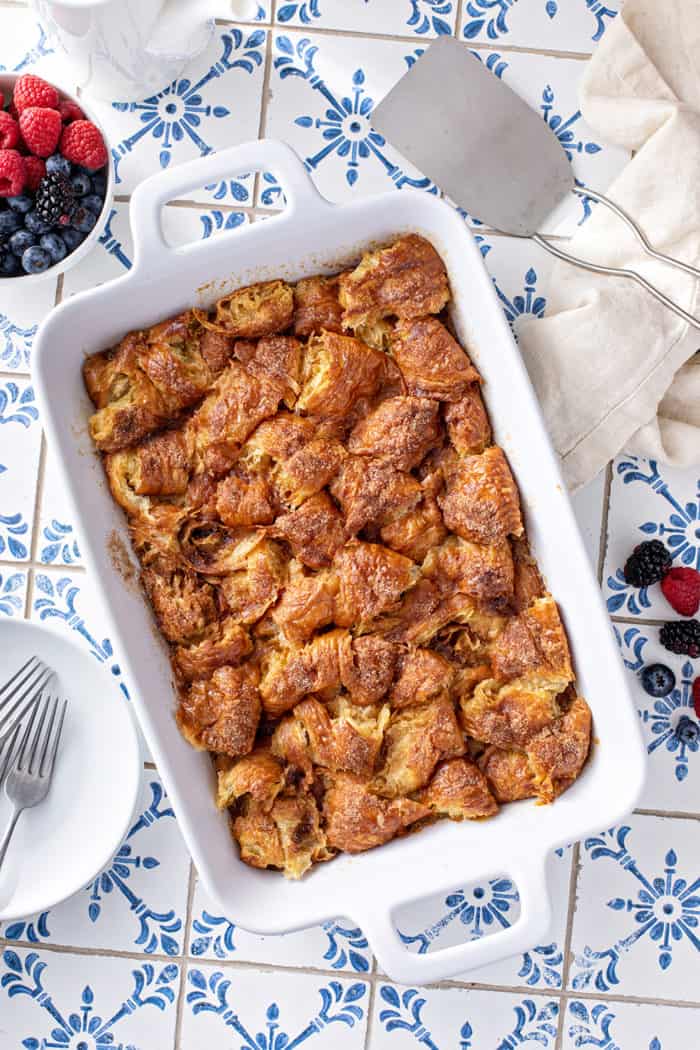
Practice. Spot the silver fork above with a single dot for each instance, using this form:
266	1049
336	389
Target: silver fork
29	780
20	693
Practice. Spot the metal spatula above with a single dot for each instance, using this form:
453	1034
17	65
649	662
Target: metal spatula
492	154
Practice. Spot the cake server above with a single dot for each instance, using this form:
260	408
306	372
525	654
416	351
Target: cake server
492	154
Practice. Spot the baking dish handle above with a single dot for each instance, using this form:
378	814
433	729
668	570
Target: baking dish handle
262	155
414	968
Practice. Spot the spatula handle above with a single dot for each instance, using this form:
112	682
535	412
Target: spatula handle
618	271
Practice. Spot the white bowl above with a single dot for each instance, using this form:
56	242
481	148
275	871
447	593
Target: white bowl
7	83
60	845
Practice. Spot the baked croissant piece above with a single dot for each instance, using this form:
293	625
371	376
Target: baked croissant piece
334	552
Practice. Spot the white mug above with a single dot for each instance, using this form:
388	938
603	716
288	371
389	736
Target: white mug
130	49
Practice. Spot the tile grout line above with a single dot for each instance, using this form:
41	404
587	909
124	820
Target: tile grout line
571	909
180	1005
373	973
30	563
605	516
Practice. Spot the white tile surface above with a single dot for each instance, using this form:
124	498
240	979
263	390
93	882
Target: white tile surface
649	501
13	591
628	1026
556	25
638	911
20	442
460	1019
80	1001
420	18
22	307
226	1009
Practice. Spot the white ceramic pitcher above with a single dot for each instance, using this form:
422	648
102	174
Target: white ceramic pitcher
131	49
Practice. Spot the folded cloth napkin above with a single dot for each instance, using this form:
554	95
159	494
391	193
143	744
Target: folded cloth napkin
612	367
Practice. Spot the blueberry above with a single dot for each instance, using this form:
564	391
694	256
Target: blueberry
92	203
658	680
58	163
72	238
83	220
81	184
9	222
9	264
21	204
99	184
54	245
21	240
34	222
35	260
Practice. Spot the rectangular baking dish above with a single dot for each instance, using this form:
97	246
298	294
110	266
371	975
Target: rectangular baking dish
313	236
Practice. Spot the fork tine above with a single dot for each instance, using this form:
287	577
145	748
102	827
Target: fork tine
36	739
22	704
7	750
34	660
25	738
47	735
48	772
32	670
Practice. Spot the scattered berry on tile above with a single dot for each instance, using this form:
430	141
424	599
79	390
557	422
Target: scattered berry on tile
658	680
681	637
648	563
681	589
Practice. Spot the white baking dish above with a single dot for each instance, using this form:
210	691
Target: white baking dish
314	236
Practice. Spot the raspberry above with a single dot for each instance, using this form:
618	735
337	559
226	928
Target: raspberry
41	129
648	563
9	131
36	169
70	111
13	173
32	91
681	637
681	589
696	697
82	143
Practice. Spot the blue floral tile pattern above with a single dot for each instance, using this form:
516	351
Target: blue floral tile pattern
21	310
224	1009
57	1004
649	501
27	48
669	724
626	1026
20	441
460	1019
334	945
13	592
556	25
420	18
215	103
636	926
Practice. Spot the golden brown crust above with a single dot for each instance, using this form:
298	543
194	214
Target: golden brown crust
481	501
402	430
221	713
316	306
357	819
406	279
333	550
431	360
460	791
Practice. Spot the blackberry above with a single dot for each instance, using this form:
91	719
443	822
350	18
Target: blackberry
681	636
648	563
55	199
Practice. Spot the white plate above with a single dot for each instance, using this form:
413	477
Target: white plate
61	844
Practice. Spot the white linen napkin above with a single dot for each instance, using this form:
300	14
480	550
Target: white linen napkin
611	366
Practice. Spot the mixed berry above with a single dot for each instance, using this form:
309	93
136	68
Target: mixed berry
53	177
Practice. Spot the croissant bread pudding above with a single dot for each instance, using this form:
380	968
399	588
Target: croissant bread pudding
333	548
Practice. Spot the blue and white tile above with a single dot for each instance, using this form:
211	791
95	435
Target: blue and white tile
223	1009
636	922
50	999
483	909
628	1026
669	724
113	255
550	86
548	25
649	501
138	903
214	104
460	1019
334	945
26	48
22	308
13	592
58	542
20	445
419	18
322	92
